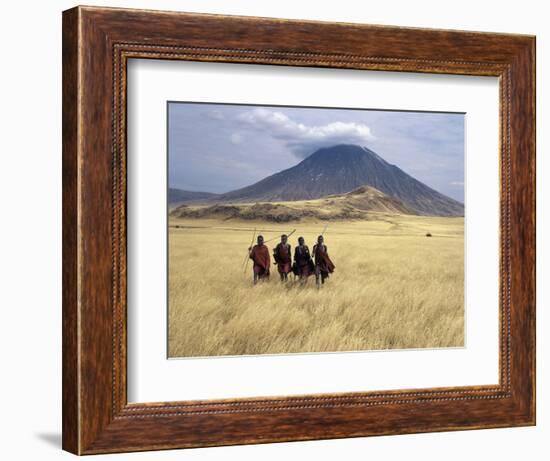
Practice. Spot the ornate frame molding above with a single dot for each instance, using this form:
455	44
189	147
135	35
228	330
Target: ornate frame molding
97	45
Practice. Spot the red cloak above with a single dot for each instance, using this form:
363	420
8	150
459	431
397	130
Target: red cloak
322	259
260	255
282	258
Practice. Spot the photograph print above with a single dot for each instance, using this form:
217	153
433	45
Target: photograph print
313	229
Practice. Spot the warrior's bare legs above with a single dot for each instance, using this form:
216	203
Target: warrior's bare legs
319	277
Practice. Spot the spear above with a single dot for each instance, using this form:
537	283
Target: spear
324	229
247	257
288	235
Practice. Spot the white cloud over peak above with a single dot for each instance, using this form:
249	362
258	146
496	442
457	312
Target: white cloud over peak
303	139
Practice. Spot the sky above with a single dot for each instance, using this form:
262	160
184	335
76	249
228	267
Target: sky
222	147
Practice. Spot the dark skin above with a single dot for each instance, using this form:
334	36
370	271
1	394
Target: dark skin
284	276
319	276
260	242
302	243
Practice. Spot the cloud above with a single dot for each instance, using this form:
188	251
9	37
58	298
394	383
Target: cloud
236	138
457	183
303	139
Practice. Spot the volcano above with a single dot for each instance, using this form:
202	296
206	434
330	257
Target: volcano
340	169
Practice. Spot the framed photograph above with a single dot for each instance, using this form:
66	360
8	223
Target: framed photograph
281	230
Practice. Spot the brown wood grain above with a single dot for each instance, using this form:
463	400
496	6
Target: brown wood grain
97	43
70	385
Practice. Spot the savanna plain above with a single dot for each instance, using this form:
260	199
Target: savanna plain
393	288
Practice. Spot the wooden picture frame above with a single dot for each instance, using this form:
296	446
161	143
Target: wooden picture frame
97	43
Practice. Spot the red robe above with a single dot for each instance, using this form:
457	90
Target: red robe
322	260
282	258
260	255
303	262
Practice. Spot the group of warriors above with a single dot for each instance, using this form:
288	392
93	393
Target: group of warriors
302	266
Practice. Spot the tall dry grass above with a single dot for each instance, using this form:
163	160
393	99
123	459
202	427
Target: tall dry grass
393	288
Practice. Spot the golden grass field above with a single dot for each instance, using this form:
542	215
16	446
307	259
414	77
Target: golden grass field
393	288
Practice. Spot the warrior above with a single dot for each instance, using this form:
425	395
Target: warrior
302	261
323	264
259	254
282	255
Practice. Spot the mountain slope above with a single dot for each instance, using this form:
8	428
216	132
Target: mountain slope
366	198
353	205
181	196
340	169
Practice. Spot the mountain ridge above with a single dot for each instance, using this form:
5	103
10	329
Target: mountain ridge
340	169
357	204
180	195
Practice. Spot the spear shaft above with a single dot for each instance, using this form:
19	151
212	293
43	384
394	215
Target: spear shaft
247	257
288	235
